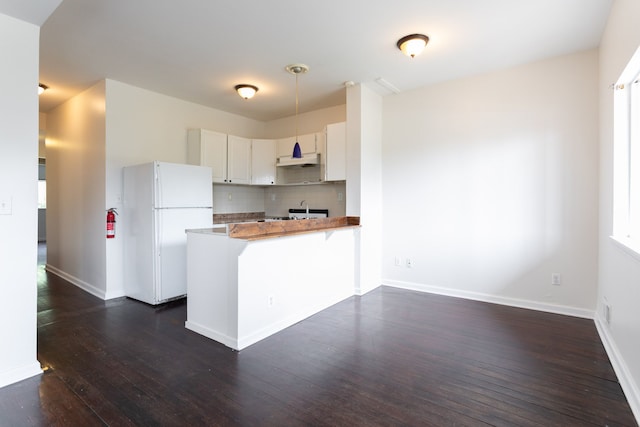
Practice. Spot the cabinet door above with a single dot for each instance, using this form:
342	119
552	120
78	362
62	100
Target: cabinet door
214	154
307	144
263	161
336	152
238	160
208	148
285	146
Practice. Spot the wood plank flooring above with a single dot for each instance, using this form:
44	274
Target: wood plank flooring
390	358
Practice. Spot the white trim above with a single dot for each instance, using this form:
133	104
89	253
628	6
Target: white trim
359	292
210	333
628	246
77	282
20	373
629	387
512	302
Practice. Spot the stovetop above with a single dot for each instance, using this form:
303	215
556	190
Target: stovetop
313	213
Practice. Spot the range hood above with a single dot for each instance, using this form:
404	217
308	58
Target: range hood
309	159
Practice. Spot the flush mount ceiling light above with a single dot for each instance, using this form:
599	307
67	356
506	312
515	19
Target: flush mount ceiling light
246	91
42	88
412	44
297	69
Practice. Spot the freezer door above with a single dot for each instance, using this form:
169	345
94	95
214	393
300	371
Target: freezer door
171	265
182	186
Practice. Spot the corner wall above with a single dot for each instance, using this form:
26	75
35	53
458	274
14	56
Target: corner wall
75	145
364	182
19	47
489	186
619	274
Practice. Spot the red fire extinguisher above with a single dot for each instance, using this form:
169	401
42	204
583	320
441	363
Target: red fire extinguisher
111	223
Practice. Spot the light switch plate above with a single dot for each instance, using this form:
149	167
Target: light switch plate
5	206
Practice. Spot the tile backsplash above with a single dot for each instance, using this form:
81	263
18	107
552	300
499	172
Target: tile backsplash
276	200
237	198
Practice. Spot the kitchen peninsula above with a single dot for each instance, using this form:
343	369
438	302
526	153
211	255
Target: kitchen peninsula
247	281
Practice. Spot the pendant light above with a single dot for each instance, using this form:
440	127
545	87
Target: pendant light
297	69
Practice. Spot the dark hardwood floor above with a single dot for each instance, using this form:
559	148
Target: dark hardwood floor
392	357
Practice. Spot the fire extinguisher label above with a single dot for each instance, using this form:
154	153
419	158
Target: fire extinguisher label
111	223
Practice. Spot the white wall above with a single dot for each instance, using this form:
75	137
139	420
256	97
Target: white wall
364	182
619	278
313	121
489	186
19	46
76	190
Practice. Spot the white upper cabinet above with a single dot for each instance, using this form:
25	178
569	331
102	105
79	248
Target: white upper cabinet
238	160
307	144
208	148
228	156
263	161
336	152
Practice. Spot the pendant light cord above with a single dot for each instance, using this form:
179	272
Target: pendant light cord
297	107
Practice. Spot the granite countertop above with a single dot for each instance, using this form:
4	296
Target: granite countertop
228	218
271	229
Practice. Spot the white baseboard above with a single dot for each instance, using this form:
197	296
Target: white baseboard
513	302
629	386
20	373
254	336
211	334
77	282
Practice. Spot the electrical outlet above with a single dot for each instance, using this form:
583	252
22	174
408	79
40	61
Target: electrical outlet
340	197
397	261
409	263
556	279
230	196
273	197
271	300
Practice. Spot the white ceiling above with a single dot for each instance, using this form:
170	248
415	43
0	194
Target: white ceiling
197	50
33	11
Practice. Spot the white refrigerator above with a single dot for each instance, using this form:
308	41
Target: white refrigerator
160	201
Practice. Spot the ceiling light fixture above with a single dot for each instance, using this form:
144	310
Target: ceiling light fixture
412	44
297	69
42	88
246	91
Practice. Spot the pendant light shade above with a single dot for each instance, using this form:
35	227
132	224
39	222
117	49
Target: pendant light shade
297	69
42	88
246	91
412	44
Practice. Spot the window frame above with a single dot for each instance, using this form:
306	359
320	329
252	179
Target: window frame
626	158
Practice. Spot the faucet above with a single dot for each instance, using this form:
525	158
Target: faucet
307	207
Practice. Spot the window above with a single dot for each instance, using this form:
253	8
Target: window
42	184
626	193
42	194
